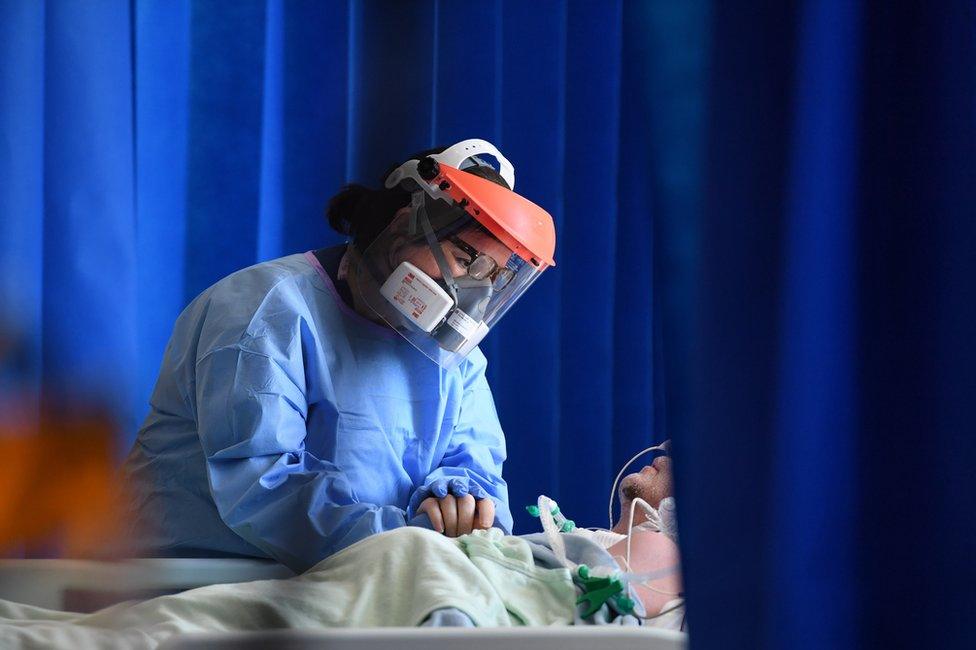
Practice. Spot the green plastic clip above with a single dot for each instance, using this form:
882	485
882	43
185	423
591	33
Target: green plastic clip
568	526
597	591
532	510
625	604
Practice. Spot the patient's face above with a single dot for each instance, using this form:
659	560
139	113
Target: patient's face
652	484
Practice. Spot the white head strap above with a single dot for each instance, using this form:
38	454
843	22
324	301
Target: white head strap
454	156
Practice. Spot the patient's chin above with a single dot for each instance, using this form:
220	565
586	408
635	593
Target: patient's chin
630	488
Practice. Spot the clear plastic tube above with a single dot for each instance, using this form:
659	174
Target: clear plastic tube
605	538
556	543
655	520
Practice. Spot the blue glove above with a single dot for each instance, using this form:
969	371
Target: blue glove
441	487
458	487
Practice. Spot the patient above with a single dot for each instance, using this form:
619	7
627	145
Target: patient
650	550
405	577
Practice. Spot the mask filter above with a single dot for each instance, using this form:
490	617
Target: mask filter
426	304
465	322
417	296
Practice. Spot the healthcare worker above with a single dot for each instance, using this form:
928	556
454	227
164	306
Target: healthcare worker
310	401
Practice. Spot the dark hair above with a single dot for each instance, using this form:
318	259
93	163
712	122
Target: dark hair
363	213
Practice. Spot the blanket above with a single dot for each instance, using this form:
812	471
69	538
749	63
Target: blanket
405	577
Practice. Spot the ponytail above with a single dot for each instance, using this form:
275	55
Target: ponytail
363	213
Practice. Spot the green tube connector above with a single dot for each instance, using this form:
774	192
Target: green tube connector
597	591
625	604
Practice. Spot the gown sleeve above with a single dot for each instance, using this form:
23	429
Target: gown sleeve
251	410
473	461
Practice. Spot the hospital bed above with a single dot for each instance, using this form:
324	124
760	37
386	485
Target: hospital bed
608	637
85	585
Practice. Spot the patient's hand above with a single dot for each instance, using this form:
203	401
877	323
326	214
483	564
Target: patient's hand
455	516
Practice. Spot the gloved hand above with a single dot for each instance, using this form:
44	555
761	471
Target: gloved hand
669	518
455	508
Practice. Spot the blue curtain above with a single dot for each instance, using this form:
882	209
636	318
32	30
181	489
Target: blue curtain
825	462
766	224
153	147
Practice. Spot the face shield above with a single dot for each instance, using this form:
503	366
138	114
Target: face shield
447	269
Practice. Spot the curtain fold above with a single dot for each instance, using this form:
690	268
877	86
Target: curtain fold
818	322
22	194
80	223
162	69
588	293
825	471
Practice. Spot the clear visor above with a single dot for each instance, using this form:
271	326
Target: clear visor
440	279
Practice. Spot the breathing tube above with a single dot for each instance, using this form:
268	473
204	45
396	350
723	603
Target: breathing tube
604	584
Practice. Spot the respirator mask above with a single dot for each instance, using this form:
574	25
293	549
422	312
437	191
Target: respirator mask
449	267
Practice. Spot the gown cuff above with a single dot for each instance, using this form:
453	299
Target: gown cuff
441	487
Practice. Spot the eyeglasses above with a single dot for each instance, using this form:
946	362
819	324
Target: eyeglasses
482	266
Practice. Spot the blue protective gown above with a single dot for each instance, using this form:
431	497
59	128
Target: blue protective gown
285	425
